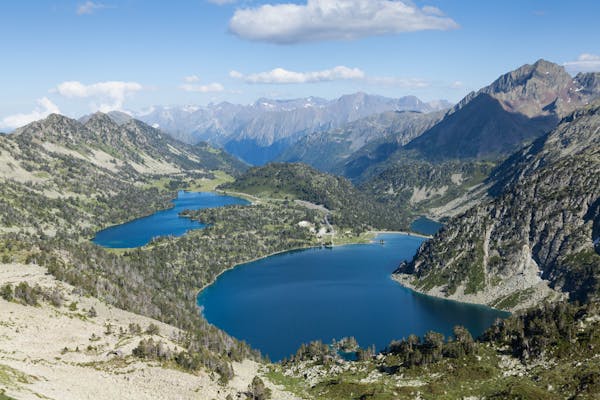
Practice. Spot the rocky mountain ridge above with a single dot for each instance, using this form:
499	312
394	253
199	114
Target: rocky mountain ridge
512	111
536	238
260	131
493	122
132	144
328	150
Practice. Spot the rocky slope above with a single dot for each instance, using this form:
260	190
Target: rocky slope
536	239
498	119
482	129
543	88
78	347
131	144
259	132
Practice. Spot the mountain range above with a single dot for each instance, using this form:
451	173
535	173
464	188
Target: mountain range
436	162
329	149
259	132
489	124
522	157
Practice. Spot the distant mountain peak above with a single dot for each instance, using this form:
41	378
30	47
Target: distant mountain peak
550	74
540	89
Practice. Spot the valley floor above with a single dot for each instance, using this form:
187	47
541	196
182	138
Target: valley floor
64	353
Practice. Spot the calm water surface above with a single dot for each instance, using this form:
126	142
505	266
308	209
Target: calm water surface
140	232
425	226
277	303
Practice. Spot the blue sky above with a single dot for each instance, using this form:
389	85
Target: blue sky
75	57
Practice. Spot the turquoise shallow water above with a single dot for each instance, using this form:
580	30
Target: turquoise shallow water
277	303
140	232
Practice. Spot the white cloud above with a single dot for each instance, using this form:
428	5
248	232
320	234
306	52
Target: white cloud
110	94
284	76
334	20
191	79
236	75
89	7
280	75
585	63
210	88
45	107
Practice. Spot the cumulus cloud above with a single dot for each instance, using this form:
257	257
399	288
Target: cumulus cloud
89	7
585	63
110	94
334	20
280	75
44	108
210	88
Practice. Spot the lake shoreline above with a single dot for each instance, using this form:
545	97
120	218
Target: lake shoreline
407	233
142	231
371	241
344	284
403	280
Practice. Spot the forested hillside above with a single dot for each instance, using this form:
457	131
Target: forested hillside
64	180
350	207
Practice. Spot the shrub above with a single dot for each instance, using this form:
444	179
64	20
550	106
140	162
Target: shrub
7	292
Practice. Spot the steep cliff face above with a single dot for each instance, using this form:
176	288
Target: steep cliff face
536	239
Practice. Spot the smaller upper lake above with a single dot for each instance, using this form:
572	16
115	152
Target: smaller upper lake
425	226
141	231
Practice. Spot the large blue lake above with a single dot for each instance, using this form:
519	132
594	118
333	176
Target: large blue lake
140	232
279	302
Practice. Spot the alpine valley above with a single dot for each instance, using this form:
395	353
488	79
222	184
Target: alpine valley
512	172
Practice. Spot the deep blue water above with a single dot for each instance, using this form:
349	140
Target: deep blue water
277	303
163	223
425	226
